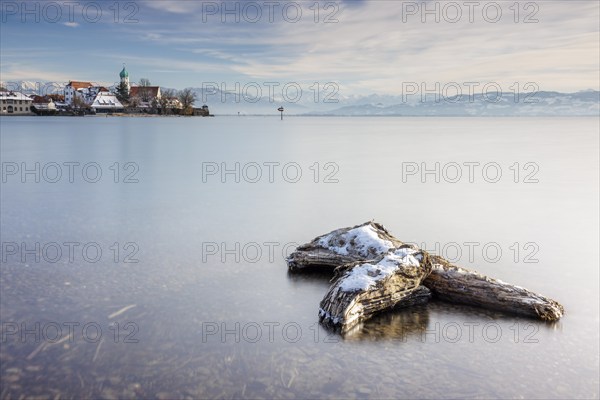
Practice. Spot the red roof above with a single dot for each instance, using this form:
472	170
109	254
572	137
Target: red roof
150	91
40	99
79	85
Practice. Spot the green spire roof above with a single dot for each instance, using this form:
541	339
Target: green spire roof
124	73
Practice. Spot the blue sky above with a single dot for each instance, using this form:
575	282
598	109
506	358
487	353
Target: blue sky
365	46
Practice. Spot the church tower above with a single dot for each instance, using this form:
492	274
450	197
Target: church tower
124	75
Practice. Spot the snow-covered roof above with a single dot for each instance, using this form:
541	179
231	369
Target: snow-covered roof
105	100
14	96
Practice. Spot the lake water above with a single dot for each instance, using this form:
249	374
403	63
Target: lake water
144	257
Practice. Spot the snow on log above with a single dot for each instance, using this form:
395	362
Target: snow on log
352	246
342	246
364	288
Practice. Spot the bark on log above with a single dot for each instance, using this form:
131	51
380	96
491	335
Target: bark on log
362	289
368	241
458	285
416	297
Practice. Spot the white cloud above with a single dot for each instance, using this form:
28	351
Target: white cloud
174	6
15	72
71	24
372	49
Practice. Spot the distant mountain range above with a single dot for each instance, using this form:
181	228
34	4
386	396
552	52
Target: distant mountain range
584	103
38	88
543	103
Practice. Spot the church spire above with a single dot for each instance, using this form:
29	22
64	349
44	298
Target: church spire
124	75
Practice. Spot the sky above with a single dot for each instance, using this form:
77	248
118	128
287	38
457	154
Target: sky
364	47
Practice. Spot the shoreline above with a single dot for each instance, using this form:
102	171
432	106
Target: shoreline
107	115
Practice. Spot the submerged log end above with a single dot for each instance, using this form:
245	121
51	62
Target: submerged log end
458	285
549	310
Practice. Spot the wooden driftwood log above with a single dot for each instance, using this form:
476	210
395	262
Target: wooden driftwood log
367	287
458	285
347	248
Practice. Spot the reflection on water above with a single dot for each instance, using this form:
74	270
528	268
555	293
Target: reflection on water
314	275
179	324
392	325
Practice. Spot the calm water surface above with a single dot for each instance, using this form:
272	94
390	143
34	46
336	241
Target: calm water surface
209	309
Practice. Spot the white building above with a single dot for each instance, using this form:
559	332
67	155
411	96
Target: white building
43	106
106	102
75	88
15	103
85	91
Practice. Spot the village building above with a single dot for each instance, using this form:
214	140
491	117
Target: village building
106	102
145	98
201	112
145	93
15	103
85	91
172	103
75	88
43	105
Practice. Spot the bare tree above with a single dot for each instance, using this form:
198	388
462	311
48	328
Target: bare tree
154	104
78	101
166	98
134	102
144	91
187	97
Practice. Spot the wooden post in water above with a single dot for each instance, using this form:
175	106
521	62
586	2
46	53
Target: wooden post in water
280	109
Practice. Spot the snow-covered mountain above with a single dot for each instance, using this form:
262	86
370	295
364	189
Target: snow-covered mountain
38	88
584	103
491	104
31	88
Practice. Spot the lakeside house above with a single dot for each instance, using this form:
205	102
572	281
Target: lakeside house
15	103
73	88
84	91
98	98
43	105
201	112
107	103
145	93
145	98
